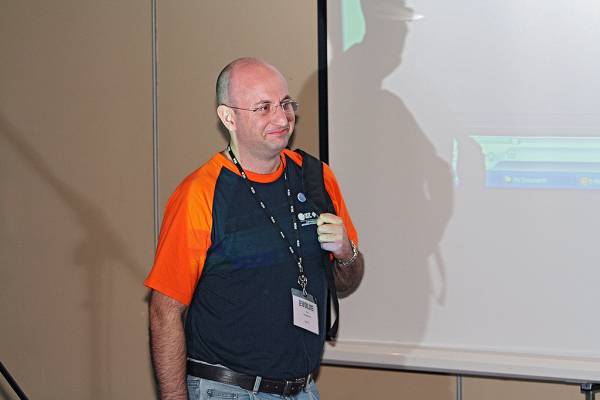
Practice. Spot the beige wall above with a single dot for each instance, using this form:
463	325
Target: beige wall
76	197
76	173
361	383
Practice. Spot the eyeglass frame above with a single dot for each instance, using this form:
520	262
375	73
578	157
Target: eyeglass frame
274	106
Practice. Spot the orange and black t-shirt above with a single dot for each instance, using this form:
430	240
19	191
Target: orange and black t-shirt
219	254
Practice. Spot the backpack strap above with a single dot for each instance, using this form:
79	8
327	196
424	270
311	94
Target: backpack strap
313	184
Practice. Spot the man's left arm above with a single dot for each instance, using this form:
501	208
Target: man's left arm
349	262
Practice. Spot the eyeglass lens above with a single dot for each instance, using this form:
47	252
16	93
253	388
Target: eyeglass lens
287	106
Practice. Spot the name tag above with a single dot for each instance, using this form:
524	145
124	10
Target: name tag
306	315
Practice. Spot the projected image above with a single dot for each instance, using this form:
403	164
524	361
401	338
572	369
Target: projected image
541	162
466	136
353	23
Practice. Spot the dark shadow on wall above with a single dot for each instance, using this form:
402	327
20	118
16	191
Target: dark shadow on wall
99	253
414	202
305	99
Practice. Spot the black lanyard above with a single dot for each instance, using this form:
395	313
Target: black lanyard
296	254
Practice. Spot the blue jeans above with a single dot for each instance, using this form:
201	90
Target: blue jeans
203	389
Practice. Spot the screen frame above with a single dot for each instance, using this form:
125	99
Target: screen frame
415	359
322	81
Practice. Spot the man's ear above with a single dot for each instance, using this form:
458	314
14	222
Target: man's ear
226	116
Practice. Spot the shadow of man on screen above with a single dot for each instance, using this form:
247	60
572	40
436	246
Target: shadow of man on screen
402	188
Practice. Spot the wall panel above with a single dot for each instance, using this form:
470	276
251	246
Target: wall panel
496	389
76	197
363	383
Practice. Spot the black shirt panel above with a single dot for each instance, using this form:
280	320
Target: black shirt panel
241	312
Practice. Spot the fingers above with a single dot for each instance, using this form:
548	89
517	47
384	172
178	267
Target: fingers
331	233
330	228
333	236
330	238
327	218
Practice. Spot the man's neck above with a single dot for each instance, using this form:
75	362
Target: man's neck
255	164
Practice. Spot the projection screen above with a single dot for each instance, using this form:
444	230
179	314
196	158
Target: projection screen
466	139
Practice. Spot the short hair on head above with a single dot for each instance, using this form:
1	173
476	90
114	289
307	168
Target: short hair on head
224	77
223	85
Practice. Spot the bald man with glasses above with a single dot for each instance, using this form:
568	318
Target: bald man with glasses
246	261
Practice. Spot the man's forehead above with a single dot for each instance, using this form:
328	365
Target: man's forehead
257	80
254	66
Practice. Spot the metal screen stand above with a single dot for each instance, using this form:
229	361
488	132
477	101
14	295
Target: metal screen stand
590	390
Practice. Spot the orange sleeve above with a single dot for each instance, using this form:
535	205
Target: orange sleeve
185	237
333	189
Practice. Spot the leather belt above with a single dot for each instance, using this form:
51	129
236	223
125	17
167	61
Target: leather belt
248	382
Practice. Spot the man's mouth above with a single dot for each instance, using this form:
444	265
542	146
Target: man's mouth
279	131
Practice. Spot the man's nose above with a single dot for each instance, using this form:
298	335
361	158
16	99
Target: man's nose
280	117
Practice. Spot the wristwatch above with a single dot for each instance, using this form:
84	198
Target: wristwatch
345	263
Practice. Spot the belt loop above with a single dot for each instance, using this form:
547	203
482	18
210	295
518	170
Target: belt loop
307	383
256	384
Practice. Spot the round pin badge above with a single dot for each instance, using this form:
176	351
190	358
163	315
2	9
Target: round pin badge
301	197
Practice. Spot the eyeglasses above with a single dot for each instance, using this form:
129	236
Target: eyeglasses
288	106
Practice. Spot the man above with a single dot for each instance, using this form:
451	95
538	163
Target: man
240	257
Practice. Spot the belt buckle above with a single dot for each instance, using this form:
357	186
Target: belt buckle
290	387
287	388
